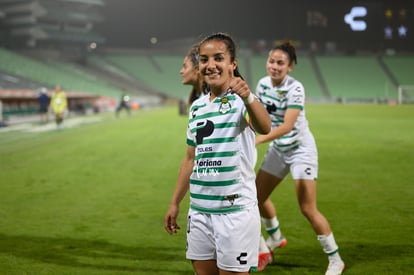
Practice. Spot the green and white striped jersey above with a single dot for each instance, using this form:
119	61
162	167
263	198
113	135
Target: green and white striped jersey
289	94
223	177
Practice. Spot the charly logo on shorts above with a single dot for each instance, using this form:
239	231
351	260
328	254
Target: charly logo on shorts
240	258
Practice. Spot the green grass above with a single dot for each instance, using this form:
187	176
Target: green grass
91	199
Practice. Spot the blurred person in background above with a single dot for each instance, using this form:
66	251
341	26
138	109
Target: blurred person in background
44	101
190	75
223	225
124	103
59	104
292	149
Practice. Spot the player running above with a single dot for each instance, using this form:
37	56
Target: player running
292	149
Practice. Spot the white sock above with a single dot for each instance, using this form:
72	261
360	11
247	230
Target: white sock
262	246
329	245
272	227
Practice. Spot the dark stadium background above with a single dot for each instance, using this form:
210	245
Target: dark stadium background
130	23
90	199
92	38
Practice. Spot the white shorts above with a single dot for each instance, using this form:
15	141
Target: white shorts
301	162
230	239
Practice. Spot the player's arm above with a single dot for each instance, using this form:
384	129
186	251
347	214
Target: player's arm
290	118
259	118
181	188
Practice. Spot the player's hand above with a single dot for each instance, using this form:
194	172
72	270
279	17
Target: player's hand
260	139
170	220
238	85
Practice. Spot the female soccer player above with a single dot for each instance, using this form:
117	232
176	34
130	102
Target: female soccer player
293	149
190	75
223	226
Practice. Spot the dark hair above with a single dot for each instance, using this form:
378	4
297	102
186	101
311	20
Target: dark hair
230	44
288	48
202	88
193	55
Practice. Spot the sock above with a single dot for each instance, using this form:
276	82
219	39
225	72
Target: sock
262	246
329	245
272	227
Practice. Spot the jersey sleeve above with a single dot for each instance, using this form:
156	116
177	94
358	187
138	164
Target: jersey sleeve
259	89
296	99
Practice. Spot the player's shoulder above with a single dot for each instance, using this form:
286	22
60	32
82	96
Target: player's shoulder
291	81
200	101
264	83
294	84
202	97
265	79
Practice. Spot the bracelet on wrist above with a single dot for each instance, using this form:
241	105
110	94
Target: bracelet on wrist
249	100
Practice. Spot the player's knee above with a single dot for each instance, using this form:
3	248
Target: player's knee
308	211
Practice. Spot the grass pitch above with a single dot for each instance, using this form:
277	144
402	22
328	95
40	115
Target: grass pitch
91	199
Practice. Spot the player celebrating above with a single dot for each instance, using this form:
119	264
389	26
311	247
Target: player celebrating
218	167
293	149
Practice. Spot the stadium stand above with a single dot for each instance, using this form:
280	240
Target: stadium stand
158	72
170	79
341	77
63	23
23	76
154	75
355	78
11	81
99	63
101	67
51	73
401	67
75	57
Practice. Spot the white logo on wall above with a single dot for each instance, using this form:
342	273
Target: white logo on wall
356	25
